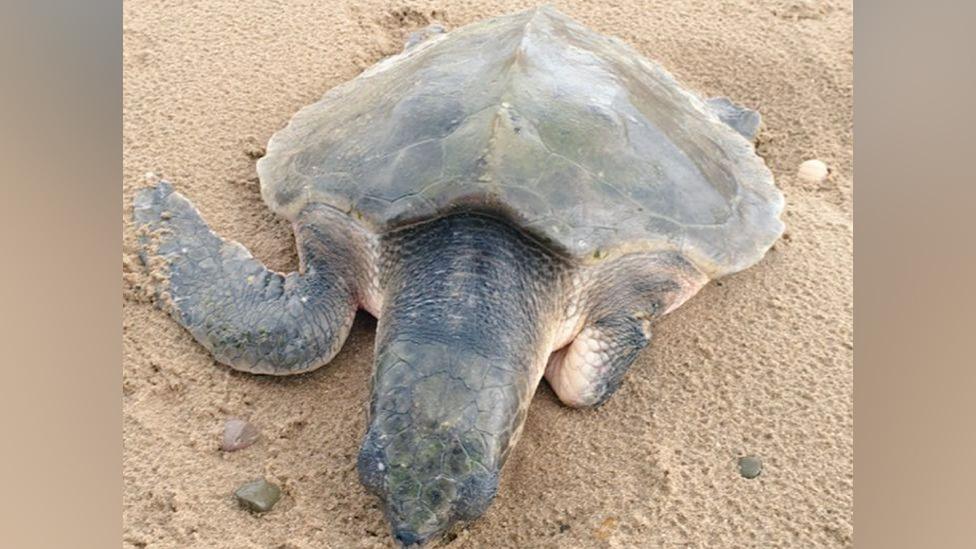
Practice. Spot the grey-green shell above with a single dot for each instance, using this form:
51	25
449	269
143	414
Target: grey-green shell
574	136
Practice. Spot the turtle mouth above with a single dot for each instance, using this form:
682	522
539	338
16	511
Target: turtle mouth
406	537
427	486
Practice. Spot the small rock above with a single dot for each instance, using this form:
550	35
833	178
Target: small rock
750	466
813	171
606	528
258	495
238	434
253	148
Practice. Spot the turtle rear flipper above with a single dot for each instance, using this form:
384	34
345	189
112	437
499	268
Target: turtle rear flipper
741	119
249	317
423	34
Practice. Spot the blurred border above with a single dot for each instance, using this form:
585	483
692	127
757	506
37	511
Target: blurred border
60	412
915	266
915	258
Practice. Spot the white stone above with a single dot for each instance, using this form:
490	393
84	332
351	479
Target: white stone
813	171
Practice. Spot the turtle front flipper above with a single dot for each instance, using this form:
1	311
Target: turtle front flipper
626	297
249	317
590	369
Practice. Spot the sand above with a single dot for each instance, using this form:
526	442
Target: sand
758	363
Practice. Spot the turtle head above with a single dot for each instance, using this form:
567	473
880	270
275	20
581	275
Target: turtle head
438	437
462	343
428	483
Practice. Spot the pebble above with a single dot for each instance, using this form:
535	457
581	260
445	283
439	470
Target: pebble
253	148
258	495
750	466
238	434
813	171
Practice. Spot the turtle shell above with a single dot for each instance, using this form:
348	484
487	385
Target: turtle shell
572	135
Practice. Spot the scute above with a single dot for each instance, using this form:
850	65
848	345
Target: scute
572	135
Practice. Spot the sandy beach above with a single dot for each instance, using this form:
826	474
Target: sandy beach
758	363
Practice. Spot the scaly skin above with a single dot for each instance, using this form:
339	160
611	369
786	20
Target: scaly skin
249	317
622	298
472	314
473	309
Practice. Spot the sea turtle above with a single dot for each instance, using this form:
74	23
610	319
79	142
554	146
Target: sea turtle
516	199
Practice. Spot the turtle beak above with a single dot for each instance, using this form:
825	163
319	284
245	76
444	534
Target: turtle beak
426	481
405	537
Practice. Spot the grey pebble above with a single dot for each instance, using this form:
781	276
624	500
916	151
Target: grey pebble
750	466
238	434
258	495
